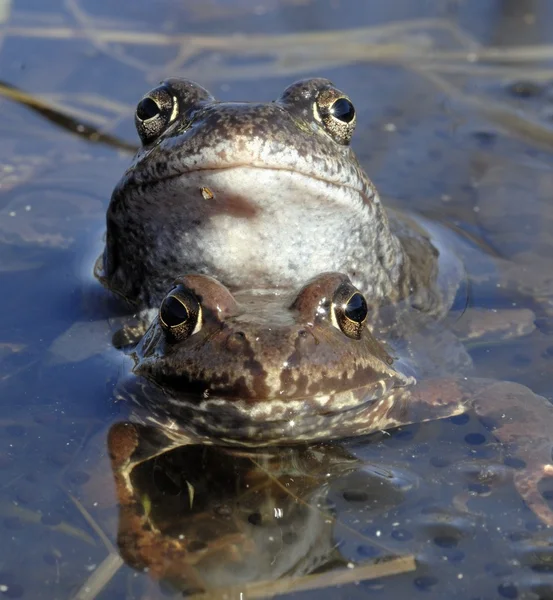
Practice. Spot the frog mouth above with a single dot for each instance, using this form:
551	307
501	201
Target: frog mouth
231	421
237	178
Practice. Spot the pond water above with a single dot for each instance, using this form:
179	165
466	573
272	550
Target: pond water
455	121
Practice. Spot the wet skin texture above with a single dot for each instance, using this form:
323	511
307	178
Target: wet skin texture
259	367
260	195
262	356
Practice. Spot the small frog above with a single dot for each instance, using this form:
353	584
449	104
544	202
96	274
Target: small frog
244	366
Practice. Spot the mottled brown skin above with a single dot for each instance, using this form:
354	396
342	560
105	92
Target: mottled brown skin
261	195
262	359
259	346
268	368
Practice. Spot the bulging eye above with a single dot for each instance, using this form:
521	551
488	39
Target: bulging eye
356	308
337	114
173	312
349	311
180	314
343	110
154	113
147	108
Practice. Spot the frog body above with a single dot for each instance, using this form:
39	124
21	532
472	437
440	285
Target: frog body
262	195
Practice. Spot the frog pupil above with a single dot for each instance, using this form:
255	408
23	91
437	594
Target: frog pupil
147	109
343	109
173	312
356	308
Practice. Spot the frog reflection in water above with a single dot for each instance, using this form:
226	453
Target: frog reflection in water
212	518
254	369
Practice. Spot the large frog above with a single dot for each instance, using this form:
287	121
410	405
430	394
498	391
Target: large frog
262	195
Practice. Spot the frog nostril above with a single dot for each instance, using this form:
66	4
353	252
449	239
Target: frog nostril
305	340
236	341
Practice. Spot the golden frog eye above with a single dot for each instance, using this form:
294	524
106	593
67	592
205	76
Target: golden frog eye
349	311
337	114
180	314
356	308
154	113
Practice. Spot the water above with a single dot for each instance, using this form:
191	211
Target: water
446	127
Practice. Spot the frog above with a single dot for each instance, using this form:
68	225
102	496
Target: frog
264	195
256	357
267	196
268	375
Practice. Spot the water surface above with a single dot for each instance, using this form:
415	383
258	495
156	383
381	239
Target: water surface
454	103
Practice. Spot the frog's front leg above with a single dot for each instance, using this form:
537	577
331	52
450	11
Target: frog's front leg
519	418
429	400
524	420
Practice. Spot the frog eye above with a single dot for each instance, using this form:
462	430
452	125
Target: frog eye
349	311
154	113
343	110
180	314
337	114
